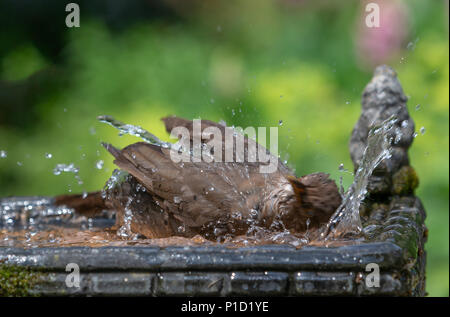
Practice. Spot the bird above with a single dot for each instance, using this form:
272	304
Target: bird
159	197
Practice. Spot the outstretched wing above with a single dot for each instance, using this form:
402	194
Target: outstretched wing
195	193
172	122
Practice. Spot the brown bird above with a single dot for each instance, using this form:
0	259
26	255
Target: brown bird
162	198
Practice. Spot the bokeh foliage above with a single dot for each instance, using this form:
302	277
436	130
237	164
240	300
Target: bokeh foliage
251	64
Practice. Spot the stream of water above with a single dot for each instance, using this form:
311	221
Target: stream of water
346	219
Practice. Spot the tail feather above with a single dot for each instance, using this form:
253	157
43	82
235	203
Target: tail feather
111	149
135	166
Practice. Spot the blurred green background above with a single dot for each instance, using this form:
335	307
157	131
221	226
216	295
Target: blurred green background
250	63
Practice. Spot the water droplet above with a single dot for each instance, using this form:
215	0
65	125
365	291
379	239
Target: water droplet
48	155
280	122
99	164
422	130
3	154
19	163
347	102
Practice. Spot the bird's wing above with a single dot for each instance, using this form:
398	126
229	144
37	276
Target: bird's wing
195	193
172	122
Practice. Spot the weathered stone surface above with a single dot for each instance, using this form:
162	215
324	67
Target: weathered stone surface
191	283
96	284
391	284
347	257
54	284
121	284
258	283
323	283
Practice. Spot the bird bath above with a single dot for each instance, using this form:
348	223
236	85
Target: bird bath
38	240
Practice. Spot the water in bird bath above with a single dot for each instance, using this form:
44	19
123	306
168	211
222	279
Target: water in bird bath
36	222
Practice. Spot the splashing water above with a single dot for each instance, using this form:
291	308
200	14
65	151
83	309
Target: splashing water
68	168
346	219
118	176
133	130
125	230
24	212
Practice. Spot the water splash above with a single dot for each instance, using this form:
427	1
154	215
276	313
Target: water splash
23	212
68	168
346	219
125	230
118	176
133	130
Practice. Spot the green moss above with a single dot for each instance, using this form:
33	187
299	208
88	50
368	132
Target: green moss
404	181
17	280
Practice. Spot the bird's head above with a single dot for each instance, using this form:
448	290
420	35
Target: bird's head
317	198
